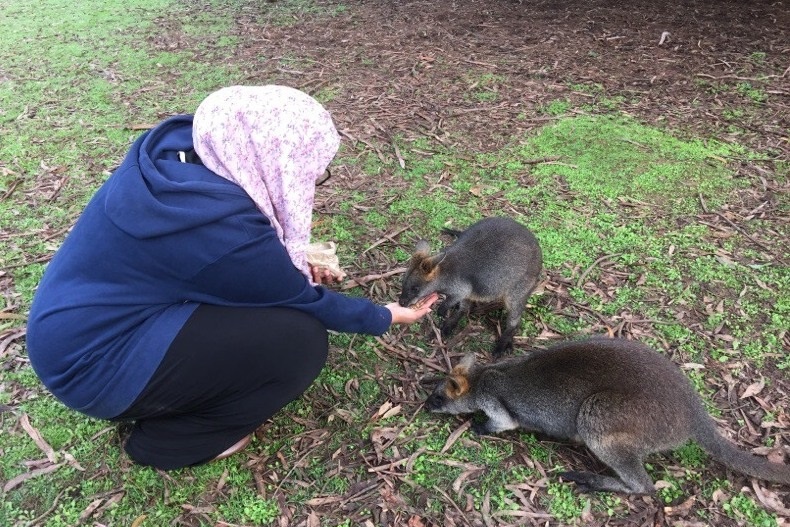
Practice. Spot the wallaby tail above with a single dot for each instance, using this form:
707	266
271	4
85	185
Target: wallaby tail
728	454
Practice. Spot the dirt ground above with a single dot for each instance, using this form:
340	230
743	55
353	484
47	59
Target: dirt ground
718	69
409	66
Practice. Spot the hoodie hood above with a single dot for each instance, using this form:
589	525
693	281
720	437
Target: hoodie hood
153	193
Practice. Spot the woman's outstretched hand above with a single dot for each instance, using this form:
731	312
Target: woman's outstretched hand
409	315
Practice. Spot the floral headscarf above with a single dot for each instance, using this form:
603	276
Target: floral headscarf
274	142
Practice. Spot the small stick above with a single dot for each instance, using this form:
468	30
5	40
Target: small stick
580	281
385	238
354	282
739	229
395	436
36	520
448	498
542	160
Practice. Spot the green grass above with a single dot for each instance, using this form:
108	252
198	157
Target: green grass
68	107
743	508
563	503
607	158
557	107
756	95
483	88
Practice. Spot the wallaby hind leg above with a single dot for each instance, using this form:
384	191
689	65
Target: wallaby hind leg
600	425
514	307
633	478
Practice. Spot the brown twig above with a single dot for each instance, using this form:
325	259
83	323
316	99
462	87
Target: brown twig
37	519
455	505
750	237
580	281
386	237
355	282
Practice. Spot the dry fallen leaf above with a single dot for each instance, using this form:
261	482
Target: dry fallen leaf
681	509
37	438
15	482
770	499
754	388
313	520
387	410
455	435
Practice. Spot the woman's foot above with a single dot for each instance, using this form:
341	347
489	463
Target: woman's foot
237	447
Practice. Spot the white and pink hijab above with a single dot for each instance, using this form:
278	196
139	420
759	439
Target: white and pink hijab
274	142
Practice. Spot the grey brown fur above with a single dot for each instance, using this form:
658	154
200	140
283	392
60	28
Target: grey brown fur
619	397
496	261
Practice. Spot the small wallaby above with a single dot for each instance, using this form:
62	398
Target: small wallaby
619	397
496	261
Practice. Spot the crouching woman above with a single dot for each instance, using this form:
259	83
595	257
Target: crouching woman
182	300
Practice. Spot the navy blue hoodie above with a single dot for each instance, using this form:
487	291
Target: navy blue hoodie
159	238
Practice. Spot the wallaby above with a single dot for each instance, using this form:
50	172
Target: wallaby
496	261
619	397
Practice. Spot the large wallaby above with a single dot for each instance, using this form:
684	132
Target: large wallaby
619	397
496	261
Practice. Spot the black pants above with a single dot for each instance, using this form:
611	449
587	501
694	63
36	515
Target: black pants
228	370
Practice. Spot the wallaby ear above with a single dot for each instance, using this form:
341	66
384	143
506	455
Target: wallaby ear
457	385
422	249
427	265
466	363
458	382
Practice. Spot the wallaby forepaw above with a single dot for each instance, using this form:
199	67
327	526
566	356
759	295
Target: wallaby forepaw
480	429
449	328
502	346
583	480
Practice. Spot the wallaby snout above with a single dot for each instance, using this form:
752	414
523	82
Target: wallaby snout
494	262
435	402
421	272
